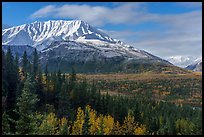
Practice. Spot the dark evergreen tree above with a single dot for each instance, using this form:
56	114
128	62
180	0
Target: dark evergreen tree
30	68
63	78
59	81
72	79
16	67
98	101
86	124
12	86
4	75
39	88
107	100
46	72
171	126
103	103
64	106
35	66
56	91
5	124
93	95
26	106
84	96
25	63
57	88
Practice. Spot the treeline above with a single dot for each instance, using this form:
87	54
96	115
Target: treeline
56	103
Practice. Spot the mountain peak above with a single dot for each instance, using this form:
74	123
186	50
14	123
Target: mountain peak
42	33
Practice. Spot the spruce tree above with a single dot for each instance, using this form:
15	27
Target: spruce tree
12	86
35	66
25	63
46	72
26	106
4	75
5	124
63	78
72	79
86	125
29	68
17	78
39	88
59	82
64	108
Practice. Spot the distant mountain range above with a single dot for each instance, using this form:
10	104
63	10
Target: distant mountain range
196	66
181	61
62	44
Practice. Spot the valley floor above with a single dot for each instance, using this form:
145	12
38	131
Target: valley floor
175	88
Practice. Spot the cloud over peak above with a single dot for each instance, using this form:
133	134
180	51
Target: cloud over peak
43	12
95	15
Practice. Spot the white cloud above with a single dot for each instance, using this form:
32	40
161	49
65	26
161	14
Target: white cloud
45	11
95	15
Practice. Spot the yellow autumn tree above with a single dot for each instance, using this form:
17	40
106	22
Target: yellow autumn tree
129	125
94	122
78	123
108	124
63	127
116	129
100	125
87	122
140	130
49	125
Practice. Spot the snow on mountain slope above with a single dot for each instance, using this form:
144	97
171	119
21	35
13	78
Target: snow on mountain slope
181	61
107	49
89	58
41	34
196	66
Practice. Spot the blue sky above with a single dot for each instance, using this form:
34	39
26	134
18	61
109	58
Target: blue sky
166	29
17	13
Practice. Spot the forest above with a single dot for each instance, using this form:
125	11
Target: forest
40	102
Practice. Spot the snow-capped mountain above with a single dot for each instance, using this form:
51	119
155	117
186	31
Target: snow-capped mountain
41	34
181	61
196	66
62	44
